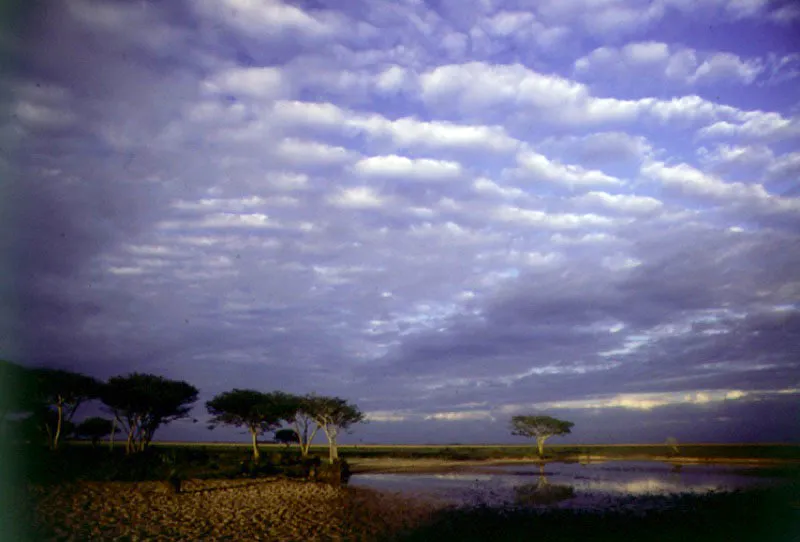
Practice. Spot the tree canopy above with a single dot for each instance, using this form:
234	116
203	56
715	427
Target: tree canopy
95	428
287	437
539	427
63	391
300	414
258	412
142	403
333	414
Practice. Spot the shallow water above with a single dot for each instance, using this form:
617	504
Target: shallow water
563	485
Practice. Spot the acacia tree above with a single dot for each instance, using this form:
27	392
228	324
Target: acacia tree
333	414
287	437
40	424
259	412
539	427
63	392
141	403
300	414
95	428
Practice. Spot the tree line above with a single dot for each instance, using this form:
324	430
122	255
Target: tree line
46	400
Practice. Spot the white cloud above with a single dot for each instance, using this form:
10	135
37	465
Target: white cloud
786	166
726	156
721	66
676	63
535	166
386	416
393	166
262	82
410	132
601	147
487	186
360	197
508	213
406	132
304	152
648	52
625	203
288	181
690	181
465	415
481	88
270	18
753	125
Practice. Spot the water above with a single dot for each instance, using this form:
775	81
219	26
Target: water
562	485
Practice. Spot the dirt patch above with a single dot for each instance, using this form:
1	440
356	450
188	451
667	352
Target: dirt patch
265	509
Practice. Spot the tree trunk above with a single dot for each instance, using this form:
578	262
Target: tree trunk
256	455
333	451
301	437
113	430
129	444
540	444
60	408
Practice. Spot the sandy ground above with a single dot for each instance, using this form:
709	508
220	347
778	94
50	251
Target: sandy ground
263	509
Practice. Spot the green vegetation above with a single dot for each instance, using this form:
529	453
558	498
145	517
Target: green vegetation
258	412
702	452
539	427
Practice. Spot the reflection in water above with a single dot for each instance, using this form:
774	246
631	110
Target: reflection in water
542	493
561	485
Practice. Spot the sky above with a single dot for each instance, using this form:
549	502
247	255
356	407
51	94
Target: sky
447	212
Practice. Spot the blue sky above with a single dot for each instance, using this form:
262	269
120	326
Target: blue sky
447	212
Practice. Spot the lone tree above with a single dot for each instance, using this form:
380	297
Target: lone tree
672	443
259	412
141	403
333	414
95	428
540	427
63	392
287	437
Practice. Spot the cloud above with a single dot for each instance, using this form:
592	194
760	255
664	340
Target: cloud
537	167
263	83
536	217
690	181
672	63
393	166
620	202
271	18
360	197
427	210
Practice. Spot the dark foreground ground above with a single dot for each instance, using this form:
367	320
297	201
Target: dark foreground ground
82	495
279	509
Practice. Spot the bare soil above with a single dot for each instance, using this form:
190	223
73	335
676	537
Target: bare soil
261	509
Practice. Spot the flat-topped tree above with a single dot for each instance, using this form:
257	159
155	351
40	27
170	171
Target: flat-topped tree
95	428
333	414
287	437
300	414
258	412
141	403
62	391
539	427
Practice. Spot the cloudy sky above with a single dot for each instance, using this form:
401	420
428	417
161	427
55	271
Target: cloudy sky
448	212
